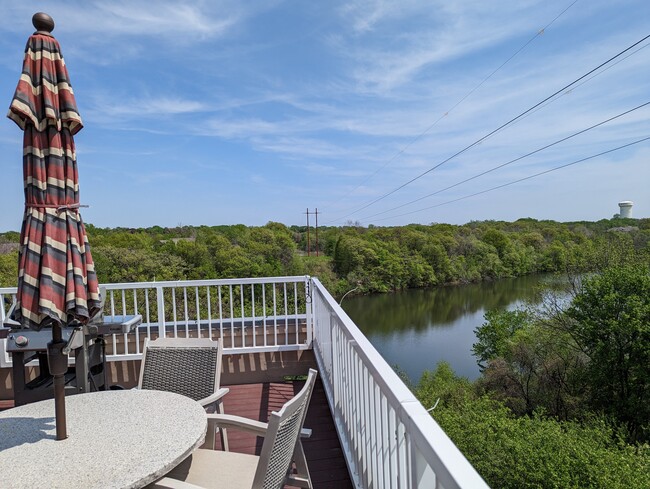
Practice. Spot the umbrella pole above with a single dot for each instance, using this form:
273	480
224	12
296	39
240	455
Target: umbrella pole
58	364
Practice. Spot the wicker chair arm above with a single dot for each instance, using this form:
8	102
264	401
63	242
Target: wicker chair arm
237	422
245	424
214	397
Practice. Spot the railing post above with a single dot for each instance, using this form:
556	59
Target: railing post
4	302
2	309
160	300
309	305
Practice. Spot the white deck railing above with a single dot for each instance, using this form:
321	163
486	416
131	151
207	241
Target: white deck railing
250	315
388	438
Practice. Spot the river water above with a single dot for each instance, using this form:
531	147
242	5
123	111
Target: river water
416	329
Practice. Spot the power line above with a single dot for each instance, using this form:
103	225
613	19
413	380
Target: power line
501	127
587	80
522	179
511	161
468	94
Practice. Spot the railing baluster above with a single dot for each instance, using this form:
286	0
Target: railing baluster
174	312
377	458
308	309
243	315
275	315
137	330
253	313
186	318
112	303
295	310
286	316
198	312
147	312
160	300
232	318
221	316
125	336
264	326
207	295
3	314
365	427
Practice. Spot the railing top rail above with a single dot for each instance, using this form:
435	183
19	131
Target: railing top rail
192	283
450	465
199	283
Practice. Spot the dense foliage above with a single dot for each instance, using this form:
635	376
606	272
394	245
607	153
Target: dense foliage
564	394
373	259
533	451
589	356
609	321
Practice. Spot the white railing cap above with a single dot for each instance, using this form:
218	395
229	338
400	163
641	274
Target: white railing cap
207	282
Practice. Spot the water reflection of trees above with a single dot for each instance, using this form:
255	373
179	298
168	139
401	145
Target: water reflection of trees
440	307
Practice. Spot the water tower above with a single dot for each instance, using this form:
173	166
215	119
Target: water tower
625	208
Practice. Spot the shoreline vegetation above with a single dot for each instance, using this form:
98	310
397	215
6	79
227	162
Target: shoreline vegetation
563	399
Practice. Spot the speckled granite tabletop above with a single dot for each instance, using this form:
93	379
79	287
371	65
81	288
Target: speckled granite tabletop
116	439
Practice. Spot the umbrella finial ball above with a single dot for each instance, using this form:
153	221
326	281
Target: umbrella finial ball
43	22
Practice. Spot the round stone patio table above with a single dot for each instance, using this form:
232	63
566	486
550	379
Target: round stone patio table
116	439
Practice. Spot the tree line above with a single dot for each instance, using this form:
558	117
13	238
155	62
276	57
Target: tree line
371	259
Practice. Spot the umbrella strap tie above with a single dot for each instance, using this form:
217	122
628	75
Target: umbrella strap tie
59	208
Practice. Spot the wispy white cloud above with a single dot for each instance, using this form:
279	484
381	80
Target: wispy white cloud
393	56
137	18
167	18
139	108
301	148
337	102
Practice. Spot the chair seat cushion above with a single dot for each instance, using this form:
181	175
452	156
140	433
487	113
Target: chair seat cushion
217	469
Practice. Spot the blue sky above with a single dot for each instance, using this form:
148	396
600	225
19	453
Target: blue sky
227	112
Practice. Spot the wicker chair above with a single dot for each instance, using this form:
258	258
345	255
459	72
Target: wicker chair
187	366
271	470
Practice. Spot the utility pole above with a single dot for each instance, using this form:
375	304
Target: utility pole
316	231
308	251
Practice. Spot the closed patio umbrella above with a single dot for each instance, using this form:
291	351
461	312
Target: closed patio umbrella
57	284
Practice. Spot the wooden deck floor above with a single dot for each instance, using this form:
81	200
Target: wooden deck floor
256	401
323	450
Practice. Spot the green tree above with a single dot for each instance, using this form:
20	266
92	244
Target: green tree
124	265
498	239
539	370
197	258
9	269
496	334
529	366
610	321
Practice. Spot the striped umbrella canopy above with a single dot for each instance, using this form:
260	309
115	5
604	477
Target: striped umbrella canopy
56	276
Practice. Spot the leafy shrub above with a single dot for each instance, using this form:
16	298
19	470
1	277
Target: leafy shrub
531	451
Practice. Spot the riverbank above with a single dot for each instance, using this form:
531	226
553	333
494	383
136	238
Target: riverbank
415	329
